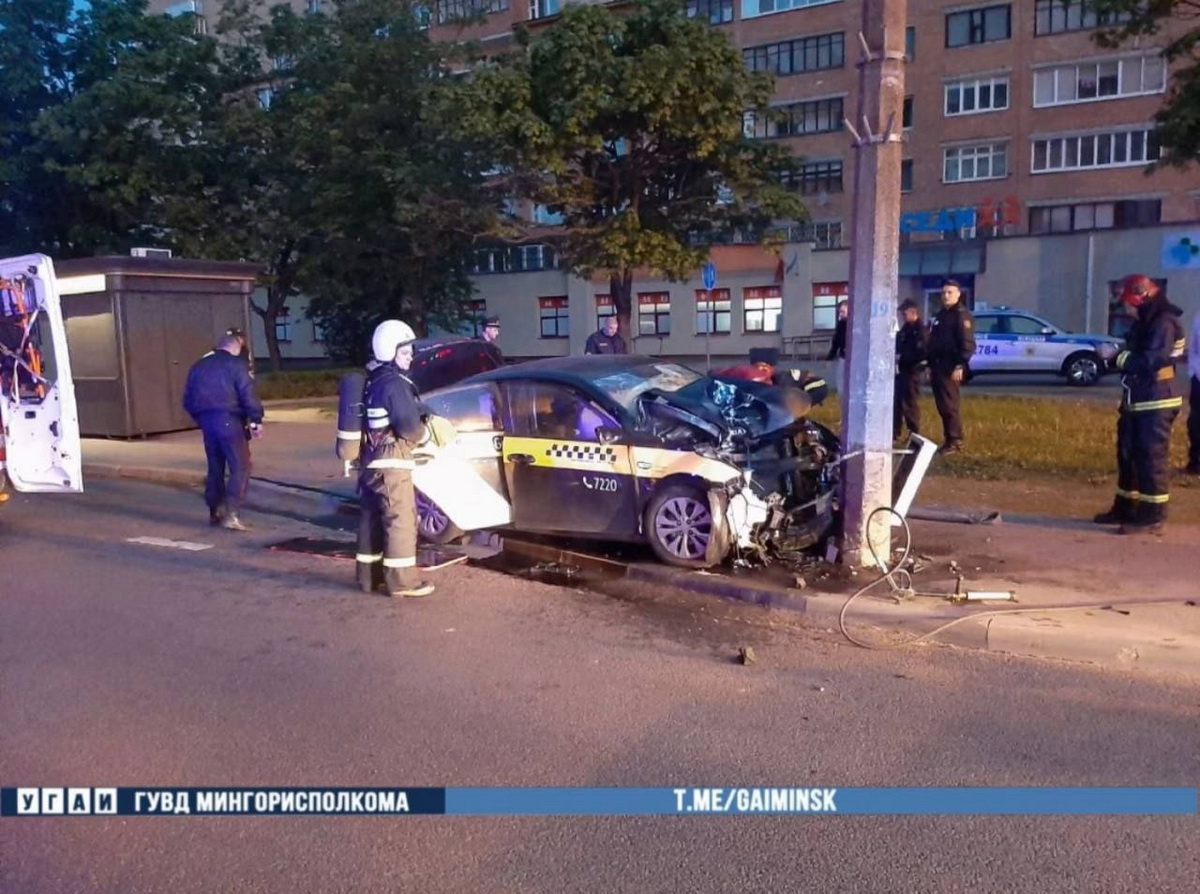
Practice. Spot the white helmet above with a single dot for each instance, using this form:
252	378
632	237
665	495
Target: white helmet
389	336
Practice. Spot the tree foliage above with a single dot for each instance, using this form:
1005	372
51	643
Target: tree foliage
1179	119
630	126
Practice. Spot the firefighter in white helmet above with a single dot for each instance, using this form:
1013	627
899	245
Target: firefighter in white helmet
395	425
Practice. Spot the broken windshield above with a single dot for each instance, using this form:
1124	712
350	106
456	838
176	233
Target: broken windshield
626	386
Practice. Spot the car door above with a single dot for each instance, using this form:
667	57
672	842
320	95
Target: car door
992	343
566	468
41	446
1032	348
465	479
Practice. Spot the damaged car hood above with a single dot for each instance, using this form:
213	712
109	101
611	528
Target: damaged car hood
750	412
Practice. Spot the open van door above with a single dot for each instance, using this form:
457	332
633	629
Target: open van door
39	447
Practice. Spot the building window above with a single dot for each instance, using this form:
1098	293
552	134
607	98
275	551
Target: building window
970	97
714	315
825	233
796	56
266	95
985	161
541	9
476	314
716	12
605	308
906	175
826	297
547	218
762	309
765	7
314	6
514	259
910	43
1057	16
654	313
1105	79
318	335
1118	149
817	177
906	115
974	26
796	120
457	10
553	314
1095	216
283	325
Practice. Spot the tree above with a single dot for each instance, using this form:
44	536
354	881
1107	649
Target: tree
1178	121
630	125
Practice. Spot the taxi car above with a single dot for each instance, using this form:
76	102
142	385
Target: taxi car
629	448
1015	341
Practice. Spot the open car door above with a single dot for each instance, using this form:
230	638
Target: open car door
40	449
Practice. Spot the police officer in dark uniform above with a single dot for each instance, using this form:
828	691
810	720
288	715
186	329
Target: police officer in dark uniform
219	395
395	425
491	334
1149	405
910	360
949	350
605	340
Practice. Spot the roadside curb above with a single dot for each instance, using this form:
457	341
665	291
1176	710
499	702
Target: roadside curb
1085	634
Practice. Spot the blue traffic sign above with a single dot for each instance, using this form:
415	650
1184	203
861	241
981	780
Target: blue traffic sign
709	275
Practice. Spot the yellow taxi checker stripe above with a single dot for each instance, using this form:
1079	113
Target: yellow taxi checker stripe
1153	498
1171	403
582	453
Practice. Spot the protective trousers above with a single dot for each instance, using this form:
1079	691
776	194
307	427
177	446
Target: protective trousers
906	410
946	396
225	446
387	531
1143	465
1193	423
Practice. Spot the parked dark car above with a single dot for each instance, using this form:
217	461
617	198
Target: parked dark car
438	362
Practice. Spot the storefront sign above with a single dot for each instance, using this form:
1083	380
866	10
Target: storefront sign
988	213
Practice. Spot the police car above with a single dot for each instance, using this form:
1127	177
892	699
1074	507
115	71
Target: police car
1015	341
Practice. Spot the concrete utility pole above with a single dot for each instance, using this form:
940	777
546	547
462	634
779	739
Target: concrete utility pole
874	269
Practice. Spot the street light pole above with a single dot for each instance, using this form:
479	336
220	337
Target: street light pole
874	271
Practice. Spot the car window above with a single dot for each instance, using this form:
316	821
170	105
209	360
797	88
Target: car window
472	408
1026	325
627	385
550	410
989	325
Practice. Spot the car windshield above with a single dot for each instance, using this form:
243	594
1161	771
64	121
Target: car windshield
626	386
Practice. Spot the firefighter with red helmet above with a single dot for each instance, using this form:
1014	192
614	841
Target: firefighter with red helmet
1149	405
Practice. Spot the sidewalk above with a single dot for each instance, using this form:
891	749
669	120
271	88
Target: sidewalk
1065	572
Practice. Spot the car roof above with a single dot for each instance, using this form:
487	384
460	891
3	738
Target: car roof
586	369
1006	312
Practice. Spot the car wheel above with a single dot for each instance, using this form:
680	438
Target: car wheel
433	525
679	526
1082	369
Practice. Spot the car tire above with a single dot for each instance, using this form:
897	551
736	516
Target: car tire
678	525
1083	368
433	525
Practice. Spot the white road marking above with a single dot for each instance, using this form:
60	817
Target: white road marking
173	544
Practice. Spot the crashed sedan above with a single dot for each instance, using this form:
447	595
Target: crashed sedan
636	449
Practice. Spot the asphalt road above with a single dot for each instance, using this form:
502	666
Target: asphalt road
133	664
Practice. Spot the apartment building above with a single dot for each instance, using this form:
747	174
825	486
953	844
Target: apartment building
1026	148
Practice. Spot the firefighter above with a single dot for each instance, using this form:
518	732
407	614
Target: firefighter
948	351
395	425
1149	404
910	359
219	395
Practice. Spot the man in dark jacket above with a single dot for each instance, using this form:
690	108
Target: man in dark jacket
910	359
219	395
395	425
605	340
491	335
1149	405
949	350
837	347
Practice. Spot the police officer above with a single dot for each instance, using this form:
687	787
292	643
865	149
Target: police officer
910	359
1149	405
219	395
605	340
491	334
395	425
949	350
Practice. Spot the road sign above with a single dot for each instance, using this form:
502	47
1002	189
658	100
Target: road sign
709	275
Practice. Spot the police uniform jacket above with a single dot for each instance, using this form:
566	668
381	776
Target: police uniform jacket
219	384
1153	345
910	347
395	419
951	339
599	343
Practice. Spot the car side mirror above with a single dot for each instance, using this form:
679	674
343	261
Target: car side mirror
608	435
1046	330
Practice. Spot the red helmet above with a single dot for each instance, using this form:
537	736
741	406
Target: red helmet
1136	288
